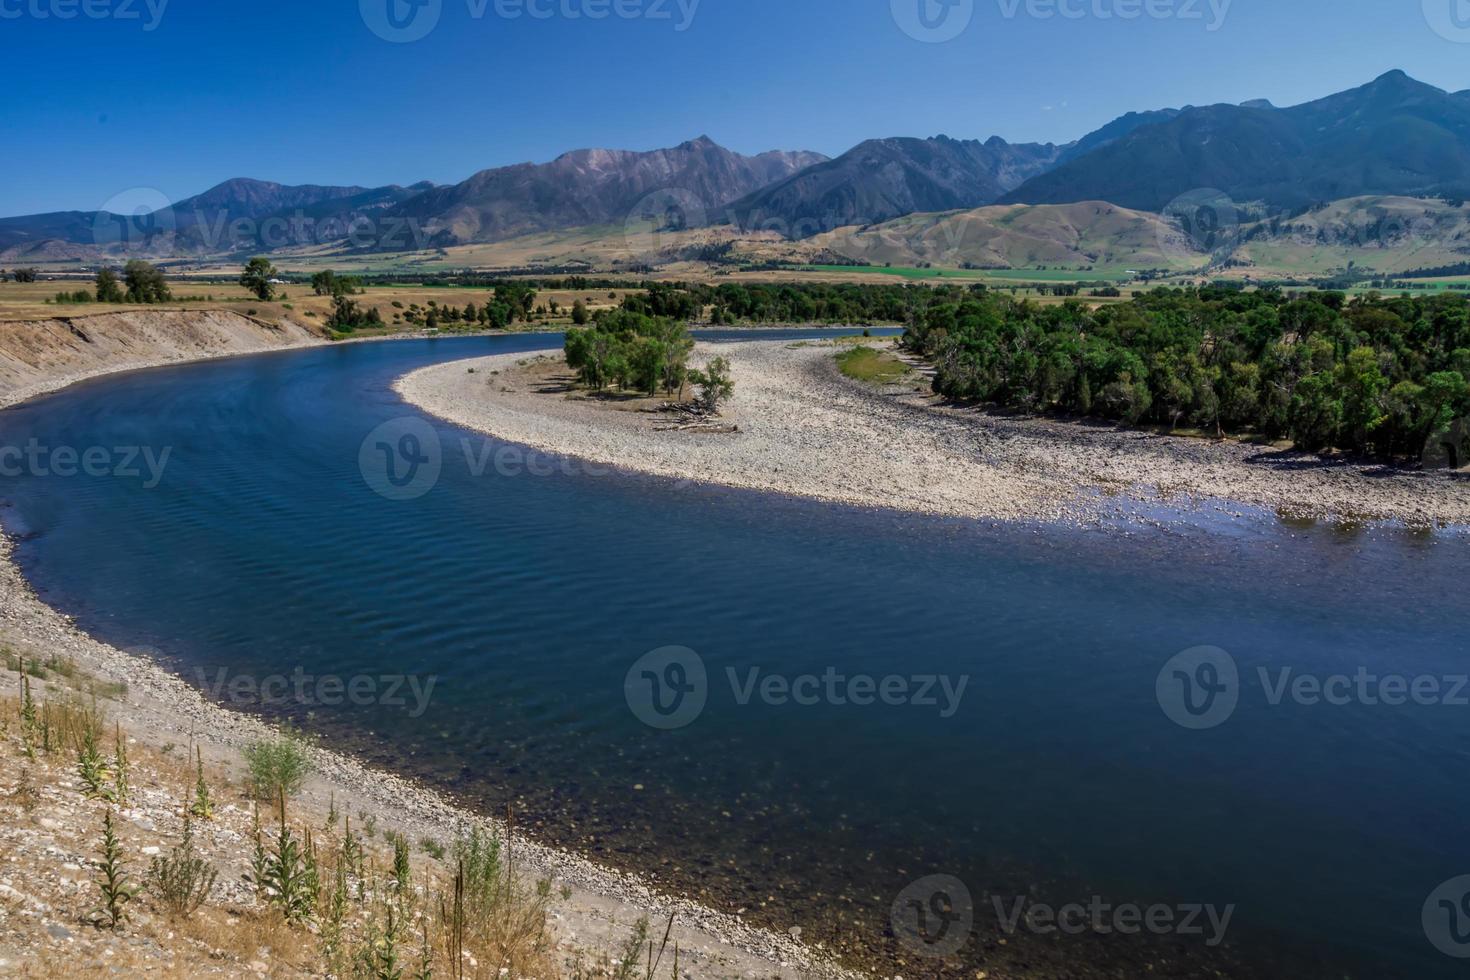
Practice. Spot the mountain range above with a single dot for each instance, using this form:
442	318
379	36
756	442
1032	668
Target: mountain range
595	187
1393	136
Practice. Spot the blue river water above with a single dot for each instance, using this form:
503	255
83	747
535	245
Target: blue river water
528	589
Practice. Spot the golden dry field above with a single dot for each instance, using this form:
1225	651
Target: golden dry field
31	301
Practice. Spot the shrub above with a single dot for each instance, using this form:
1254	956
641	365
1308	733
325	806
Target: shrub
276	766
715	384
182	880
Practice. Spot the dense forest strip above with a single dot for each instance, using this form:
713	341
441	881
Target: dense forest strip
1373	375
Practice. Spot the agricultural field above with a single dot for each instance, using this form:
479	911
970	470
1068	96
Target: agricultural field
29	301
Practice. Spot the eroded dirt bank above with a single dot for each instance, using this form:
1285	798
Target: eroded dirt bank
42	355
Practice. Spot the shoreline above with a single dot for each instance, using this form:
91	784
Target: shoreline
809	431
160	707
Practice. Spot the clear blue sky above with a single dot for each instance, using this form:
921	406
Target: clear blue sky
305	92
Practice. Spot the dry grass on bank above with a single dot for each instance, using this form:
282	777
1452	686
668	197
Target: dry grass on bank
206	880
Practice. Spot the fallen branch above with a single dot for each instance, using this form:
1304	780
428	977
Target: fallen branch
693	418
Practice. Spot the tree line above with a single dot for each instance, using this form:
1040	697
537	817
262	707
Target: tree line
749	302
1373	375
139	282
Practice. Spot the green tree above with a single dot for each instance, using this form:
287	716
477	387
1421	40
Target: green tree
497	315
145	283
347	316
109	289
1362	385
1316	412
646	360
324	283
716	386
257	278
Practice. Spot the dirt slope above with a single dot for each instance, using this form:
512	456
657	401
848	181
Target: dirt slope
37	355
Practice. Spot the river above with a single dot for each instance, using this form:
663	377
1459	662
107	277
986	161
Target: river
847	703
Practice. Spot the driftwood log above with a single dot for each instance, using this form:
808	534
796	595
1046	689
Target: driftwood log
692	418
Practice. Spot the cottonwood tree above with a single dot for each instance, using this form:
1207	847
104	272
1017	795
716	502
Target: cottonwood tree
109	289
257	278
145	283
715	384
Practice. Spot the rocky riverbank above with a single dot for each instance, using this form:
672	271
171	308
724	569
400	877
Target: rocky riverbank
805	429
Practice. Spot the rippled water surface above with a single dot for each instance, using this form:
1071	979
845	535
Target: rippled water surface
529	597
